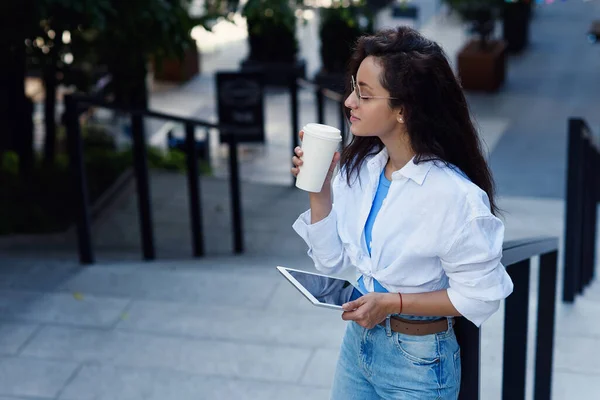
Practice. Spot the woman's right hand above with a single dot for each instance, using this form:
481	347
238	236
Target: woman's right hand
297	162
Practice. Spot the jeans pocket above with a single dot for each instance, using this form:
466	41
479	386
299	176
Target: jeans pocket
419	350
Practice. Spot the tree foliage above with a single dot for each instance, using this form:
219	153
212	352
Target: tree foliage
115	35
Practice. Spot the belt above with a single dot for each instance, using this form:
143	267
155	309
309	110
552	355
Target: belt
416	327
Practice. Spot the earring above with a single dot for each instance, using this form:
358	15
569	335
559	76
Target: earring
400	120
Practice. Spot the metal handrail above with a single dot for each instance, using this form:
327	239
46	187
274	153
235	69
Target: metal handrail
330	94
586	133
582	196
74	103
515	251
516	257
87	100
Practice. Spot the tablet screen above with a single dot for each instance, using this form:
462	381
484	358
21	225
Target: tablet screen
325	289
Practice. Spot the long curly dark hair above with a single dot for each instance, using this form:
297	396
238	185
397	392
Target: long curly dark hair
436	115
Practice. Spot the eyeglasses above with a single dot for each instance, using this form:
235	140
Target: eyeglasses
356	90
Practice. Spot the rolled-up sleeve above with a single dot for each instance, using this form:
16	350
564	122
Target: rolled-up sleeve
478	280
324	244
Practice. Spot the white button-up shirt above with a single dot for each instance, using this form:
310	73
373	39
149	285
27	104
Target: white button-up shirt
434	231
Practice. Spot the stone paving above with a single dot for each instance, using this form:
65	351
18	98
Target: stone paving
228	327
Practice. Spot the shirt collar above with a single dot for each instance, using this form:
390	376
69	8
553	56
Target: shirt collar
416	172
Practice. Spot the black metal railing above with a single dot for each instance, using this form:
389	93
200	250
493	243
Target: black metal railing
517	258
583	194
75	103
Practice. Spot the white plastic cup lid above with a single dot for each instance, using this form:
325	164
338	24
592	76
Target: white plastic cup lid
323	131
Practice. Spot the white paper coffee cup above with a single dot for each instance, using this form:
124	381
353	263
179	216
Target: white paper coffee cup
318	145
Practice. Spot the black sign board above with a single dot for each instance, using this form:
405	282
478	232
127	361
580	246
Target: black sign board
240	105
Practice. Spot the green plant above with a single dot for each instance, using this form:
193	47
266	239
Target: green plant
45	202
341	25
75	42
96	136
170	160
271	30
54	27
174	160
10	162
117	36
481	14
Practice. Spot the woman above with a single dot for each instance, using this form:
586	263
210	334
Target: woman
414	214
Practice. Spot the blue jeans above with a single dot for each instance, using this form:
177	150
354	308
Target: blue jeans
381	364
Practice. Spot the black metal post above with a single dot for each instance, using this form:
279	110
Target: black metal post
320	105
236	207
595	198
77	168
140	164
205	154
515	333
585	221
294	100
468	336
572	257
545	326
294	116
342	109
194	190
589	217
24	140
50	83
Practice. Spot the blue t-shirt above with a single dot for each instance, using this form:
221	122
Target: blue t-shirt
382	190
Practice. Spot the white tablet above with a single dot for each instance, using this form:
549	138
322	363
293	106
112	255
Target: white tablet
320	290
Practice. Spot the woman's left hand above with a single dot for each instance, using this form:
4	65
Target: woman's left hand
367	310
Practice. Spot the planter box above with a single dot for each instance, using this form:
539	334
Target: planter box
594	32
276	73
482	69
175	70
